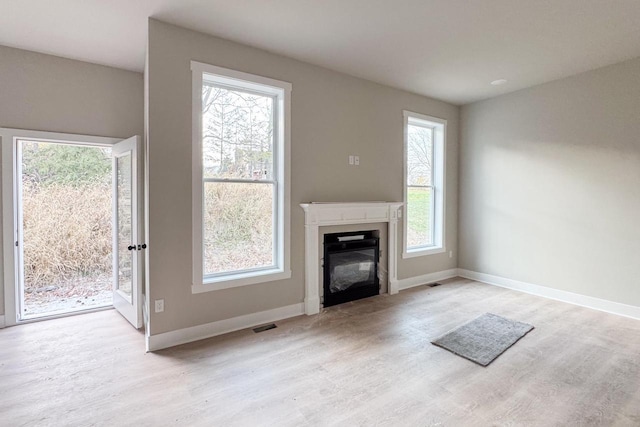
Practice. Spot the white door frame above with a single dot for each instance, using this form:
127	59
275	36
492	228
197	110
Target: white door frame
10	221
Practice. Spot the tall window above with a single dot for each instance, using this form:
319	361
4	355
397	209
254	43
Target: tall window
240	178
424	184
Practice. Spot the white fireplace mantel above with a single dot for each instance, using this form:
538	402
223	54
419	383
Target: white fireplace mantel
325	214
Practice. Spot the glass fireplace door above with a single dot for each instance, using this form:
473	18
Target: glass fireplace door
352	269
350	266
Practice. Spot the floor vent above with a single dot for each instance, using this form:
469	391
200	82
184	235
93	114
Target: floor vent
431	285
264	328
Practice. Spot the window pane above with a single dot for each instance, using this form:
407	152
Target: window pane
419	217
238	226
419	155
237	129
125	232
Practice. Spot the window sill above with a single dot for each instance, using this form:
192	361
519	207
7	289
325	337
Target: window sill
241	279
423	252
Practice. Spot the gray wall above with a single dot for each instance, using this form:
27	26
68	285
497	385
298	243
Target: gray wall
333	115
48	93
550	185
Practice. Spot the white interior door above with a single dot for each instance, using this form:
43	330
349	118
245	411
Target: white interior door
128	246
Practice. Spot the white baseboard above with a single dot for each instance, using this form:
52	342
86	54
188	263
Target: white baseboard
208	330
424	279
612	307
2	324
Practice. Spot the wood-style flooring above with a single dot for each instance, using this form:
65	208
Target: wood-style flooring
365	363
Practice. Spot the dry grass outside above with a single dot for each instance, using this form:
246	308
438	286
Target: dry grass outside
67	234
238	226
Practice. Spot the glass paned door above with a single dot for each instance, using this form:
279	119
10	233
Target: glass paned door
127	240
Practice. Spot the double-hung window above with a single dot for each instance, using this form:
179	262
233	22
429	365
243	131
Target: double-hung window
424	149
240	178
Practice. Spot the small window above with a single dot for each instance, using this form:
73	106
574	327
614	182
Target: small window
424	184
241	186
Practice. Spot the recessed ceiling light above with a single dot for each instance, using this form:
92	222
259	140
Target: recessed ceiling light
498	82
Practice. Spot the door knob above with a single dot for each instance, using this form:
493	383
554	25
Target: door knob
131	248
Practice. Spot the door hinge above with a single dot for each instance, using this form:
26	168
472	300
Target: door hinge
16	243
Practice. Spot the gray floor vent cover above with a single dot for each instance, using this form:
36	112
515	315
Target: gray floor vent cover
264	328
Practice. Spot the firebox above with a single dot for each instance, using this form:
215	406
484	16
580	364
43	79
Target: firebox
351	266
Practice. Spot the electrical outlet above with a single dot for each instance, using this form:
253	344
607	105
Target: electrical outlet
351	160
357	160
159	305
450	254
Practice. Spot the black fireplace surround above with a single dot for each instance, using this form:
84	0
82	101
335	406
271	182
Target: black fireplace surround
350	266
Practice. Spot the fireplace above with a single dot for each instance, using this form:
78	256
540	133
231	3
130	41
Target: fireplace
350	266
318	215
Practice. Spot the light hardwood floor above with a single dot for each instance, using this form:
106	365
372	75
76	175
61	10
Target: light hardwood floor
365	363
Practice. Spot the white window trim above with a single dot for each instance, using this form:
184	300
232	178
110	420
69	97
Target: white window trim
283	92
10	220
439	177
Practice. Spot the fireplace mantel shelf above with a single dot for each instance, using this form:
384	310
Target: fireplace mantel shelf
336	213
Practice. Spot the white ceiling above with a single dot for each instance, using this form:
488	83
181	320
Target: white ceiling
446	49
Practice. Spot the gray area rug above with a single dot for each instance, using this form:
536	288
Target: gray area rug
484	338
